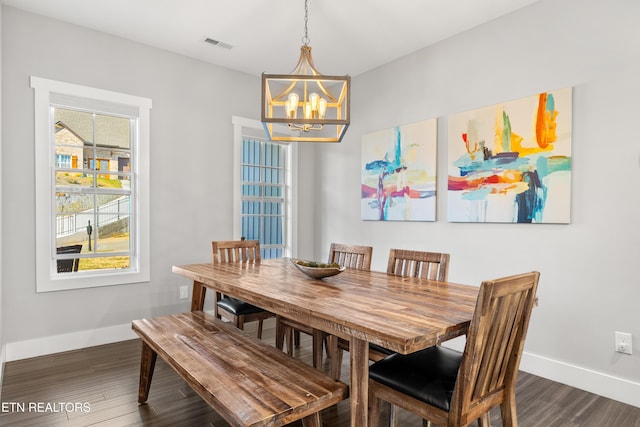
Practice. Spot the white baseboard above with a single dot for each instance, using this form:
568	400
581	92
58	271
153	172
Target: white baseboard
66	342
606	385
599	383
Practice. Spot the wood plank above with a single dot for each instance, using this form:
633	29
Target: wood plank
417	312
244	380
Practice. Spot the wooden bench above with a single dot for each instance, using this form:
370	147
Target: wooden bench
246	381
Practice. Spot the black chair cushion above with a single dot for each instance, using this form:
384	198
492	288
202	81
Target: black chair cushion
237	306
428	375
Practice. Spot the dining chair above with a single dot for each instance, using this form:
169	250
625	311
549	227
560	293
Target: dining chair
427	265
450	388
237	311
71	264
349	256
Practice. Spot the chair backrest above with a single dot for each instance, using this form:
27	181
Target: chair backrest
351	256
68	265
495	340
427	265
226	251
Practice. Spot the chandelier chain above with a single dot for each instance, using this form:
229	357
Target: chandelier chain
305	39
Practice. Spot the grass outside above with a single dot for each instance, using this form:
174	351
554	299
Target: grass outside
116	262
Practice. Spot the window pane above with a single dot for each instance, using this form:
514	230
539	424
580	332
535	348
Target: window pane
263	180
112	208
113	181
72	229
74	238
72	179
267	238
251	152
251	227
273	208
267	157
73	128
251	173
113	132
74	202
273	191
250	207
251	190
112	234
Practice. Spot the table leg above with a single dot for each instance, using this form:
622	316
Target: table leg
197	298
318	348
359	393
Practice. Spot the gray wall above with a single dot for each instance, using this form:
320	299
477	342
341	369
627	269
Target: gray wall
589	287
589	283
191	160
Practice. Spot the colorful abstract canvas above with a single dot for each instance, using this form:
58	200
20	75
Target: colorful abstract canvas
399	173
511	162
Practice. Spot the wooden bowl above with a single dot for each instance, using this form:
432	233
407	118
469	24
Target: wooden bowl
317	272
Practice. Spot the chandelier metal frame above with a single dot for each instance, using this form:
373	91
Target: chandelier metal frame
315	107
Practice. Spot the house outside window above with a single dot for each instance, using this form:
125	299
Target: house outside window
92	179
63	161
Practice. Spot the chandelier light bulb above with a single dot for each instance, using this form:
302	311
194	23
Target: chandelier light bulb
292	105
322	108
313	99
307	110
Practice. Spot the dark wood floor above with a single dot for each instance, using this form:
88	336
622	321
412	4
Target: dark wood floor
104	380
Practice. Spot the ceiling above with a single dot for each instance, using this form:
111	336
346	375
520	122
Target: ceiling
347	36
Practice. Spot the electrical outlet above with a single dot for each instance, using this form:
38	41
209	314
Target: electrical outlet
623	342
184	292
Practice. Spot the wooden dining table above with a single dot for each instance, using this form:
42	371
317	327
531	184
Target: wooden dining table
403	314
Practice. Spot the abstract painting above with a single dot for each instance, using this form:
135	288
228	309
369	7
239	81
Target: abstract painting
399	173
511	162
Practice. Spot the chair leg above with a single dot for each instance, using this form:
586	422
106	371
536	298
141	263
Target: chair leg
508	410
374	408
260	329
280	331
218	297
325	342
289	336
393	416
312	420
484	420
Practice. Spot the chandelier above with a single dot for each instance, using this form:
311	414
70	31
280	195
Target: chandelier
314	107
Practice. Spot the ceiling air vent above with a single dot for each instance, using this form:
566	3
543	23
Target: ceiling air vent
218	43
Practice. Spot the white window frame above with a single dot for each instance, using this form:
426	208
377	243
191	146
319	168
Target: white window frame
243	127
47	278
